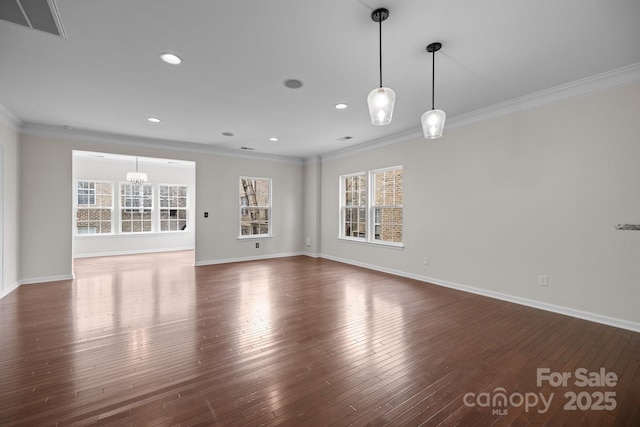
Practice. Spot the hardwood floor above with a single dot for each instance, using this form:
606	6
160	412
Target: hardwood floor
152	340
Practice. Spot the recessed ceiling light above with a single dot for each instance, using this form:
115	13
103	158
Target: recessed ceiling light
293	83
227	133
170	58
154	119
341	106
273	138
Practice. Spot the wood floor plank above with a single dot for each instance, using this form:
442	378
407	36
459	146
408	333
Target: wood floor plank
152	340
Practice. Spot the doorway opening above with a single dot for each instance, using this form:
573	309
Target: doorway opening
115	213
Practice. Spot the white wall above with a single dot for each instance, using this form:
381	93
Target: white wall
47	216
312	180
497	203
493	205
114	169
9	142
218	194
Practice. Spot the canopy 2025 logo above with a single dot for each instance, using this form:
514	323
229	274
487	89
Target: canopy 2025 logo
594	400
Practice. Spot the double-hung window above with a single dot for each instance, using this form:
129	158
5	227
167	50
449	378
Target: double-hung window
136	204
255	207
354	206
94	207
371	206
173	207
386	204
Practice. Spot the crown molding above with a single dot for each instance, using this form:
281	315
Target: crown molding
142	142
375	143
621	76
312	160
598	82
9	118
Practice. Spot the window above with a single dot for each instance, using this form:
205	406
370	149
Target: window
255	207
354	206
371	206
387	204
173	207
85	193
136	203
94	207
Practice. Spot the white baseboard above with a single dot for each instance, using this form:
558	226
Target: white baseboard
136	252
310	254
6	291
46	279
242	259
593	317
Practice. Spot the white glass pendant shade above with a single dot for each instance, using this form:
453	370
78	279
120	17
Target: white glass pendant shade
137	177
381	101
433	123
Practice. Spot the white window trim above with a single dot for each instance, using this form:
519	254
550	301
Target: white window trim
342	207
76	206
269	208
369	239
160	208
121	207
77	196
116	210
372	206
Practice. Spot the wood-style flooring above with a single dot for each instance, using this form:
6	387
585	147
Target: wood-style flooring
151	340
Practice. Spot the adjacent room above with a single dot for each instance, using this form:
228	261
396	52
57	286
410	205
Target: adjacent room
156	216
335	213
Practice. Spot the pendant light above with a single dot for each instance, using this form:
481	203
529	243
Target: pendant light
137	177
381	99
433	120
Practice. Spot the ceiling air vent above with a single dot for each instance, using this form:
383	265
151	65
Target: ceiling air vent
36	14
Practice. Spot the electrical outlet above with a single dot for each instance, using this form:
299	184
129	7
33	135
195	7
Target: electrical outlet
543	280
425	260
257	245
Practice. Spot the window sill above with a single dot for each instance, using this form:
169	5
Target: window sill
258	237
137	234
391	245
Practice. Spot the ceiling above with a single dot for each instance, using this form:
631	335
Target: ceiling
106	75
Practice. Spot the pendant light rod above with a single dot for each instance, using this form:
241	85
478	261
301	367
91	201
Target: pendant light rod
433	120
433	48
378	16
381	99
137	177
380	48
